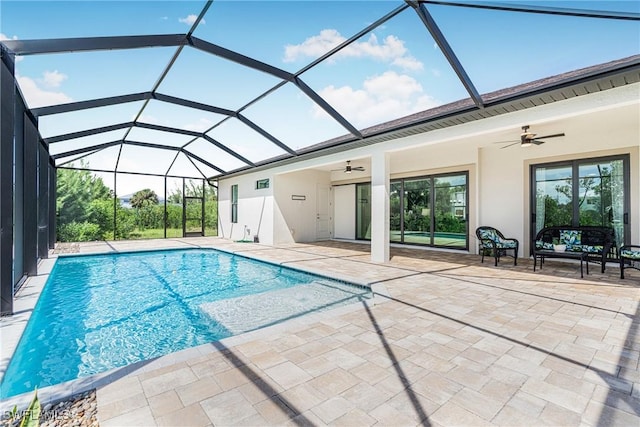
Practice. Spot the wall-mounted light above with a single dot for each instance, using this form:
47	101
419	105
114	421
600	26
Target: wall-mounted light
298	197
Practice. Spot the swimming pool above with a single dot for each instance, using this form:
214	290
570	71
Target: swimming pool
101	312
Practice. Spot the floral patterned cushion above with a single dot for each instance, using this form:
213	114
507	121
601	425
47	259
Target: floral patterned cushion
489	234
629	253
592	249
544	245
571	238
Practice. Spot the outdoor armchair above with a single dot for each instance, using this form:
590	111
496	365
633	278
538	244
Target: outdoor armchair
492	242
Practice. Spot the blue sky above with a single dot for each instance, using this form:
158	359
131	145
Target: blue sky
393	71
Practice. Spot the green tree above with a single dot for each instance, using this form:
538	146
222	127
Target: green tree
143	198
77	192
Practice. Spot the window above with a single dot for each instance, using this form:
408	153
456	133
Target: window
234	203
429	210
582	192
262	183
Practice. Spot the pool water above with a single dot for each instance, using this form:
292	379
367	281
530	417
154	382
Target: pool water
101	312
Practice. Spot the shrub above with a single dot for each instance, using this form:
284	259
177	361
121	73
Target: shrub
79	232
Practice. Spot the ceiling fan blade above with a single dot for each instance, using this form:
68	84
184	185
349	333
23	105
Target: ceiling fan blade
555	135
507	146
357	168
536	141
504	142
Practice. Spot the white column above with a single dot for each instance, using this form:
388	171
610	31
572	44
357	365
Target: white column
380	207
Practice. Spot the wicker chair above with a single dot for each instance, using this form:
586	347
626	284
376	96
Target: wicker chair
492	242
629	258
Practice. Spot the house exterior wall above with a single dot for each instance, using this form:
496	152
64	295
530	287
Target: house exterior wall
601	124
295	220
255	208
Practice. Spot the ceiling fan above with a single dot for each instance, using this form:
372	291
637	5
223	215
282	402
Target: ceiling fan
527	138
348	168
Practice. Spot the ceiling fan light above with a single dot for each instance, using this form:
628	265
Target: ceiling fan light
526	143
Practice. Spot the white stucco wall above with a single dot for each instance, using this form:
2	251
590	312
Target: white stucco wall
295	220
255	208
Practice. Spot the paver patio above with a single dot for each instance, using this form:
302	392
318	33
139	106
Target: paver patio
454	342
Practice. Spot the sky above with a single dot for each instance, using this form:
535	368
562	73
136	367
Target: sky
395	70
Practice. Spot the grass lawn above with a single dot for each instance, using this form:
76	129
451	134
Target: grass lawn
158	233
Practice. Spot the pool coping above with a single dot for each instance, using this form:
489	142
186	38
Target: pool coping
28	295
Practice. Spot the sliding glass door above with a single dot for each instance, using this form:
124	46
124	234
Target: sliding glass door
428	211
582	192
363	211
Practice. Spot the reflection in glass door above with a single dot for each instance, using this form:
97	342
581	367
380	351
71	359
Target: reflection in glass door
417	212
395	214
363	211
601	186
582	192
554	195
450	211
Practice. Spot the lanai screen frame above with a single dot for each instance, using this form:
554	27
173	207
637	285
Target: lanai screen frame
20	192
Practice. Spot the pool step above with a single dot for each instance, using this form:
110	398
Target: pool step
273	307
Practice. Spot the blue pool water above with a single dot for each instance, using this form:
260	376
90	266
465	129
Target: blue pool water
106	311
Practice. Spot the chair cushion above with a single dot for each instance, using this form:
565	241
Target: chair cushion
544	245
630	253
506	244
489	234
570	237
592	249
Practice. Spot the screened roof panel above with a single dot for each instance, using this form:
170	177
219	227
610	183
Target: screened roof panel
389	73
145	160
61	19
516	38
306	124
214	155
241	60
245	141
64	123
168	114
104	159
184	167
86	141
207	171
209	79
152	136
311	30
70	77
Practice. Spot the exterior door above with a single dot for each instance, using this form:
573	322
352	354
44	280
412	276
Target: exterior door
193	217
582	192
323	209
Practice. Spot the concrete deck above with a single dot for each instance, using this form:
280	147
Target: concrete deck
454	342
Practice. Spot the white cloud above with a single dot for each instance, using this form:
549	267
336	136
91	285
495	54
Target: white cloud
39	97
5	37
147	118
392	50
53	78
381	98
201	125
190	20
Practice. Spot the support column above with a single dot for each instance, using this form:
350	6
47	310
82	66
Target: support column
7	124
43	202
380	207
53	212
30	198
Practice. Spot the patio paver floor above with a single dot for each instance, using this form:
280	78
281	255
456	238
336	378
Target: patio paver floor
456	342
